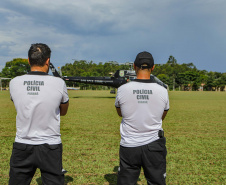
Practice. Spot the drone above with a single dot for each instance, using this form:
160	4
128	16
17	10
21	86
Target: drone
117	79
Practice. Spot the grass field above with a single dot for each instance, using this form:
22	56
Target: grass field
195	129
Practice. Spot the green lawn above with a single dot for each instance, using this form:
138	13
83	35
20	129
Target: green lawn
195	129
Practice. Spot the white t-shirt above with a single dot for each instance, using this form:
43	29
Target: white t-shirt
37	97
142	104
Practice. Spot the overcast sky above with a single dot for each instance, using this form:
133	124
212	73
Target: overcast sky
116	30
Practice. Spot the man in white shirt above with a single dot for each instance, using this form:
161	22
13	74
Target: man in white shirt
40	100
142	105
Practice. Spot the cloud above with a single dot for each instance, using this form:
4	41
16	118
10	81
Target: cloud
191	31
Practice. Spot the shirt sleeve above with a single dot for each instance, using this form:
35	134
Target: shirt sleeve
65	97
10	90
117	105
167	103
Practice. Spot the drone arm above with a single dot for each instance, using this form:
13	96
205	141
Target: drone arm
54	71
155	79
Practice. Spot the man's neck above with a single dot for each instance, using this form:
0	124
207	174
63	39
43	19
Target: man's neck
144	76
37	68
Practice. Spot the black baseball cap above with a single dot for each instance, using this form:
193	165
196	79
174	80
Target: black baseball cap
144	58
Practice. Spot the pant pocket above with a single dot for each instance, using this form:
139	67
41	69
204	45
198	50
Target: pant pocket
52	158
157	153
19	154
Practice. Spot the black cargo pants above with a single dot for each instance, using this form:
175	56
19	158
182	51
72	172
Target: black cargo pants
151	157
26	159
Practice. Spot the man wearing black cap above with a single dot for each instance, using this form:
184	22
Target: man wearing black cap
143	105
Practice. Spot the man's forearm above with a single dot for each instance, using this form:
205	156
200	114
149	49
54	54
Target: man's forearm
119	111
64	108
164	114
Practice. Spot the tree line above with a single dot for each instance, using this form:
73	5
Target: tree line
177	76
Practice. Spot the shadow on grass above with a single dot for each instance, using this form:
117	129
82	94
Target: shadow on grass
67	179
112	177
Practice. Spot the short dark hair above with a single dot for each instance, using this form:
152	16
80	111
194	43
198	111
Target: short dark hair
38	54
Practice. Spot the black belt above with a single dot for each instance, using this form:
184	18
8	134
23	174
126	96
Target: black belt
161	133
